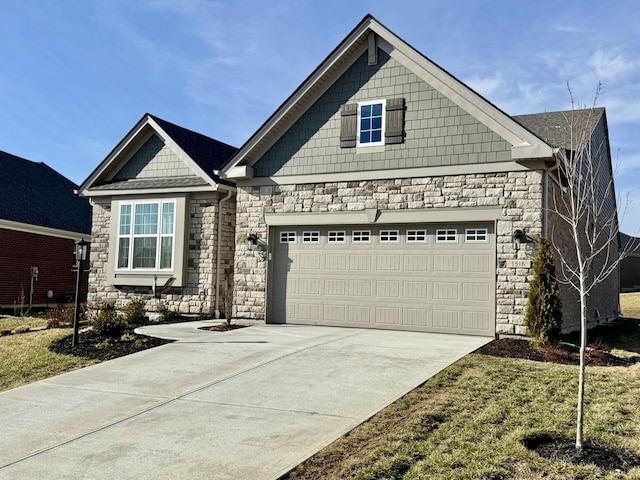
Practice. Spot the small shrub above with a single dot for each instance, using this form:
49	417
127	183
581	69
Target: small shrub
21	329
109	321
543	317
127	337
140	342
135	312
166	312
103	344
60	317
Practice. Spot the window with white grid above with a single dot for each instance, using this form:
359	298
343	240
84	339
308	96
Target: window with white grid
336	236
416	235
287	237
444	236
476	235
389	236
311	237
361	236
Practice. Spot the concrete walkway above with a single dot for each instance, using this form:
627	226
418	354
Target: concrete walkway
246	404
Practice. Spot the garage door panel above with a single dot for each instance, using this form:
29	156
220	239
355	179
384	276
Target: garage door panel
447	319
388	289
416	263
387	316
335	261
404	281
360	288
415	289
359	315
336	287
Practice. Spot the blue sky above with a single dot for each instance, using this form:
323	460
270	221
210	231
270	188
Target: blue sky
76	75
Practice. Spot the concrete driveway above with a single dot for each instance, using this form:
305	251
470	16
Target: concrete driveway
246	404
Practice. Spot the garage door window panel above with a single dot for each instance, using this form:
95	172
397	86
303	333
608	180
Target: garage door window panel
389	236
361	236
446	236
337	236
416	236
476	235
311	237
287	237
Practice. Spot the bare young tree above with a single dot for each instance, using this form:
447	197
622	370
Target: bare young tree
584	218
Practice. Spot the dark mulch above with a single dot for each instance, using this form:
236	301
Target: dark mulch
100	347
223	327
611	459
596	355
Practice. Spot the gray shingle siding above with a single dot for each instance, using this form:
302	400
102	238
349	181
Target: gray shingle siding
438	132
153	160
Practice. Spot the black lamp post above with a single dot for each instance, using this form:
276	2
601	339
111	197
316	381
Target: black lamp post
81	255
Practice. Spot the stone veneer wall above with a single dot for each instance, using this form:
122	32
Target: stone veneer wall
518	193
198	296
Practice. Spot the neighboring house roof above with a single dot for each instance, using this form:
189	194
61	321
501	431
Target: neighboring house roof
33	193
203	155
368	35
564	129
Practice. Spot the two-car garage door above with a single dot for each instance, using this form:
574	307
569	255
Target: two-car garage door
432	278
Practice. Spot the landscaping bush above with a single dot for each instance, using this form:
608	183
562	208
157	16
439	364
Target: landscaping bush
543	317
110	321
135	312
166	312
61	317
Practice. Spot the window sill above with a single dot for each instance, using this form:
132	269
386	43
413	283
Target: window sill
369	149
145	279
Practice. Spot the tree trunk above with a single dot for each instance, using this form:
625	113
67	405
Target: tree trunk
583	349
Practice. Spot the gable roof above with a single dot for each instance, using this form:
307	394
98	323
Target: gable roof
526	145
33	193
555	128
202	154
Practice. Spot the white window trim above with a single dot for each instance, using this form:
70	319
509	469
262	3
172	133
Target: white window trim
158	235
288	237
339	236
382	132
446	233
357	236
312	236
149	277
419	232
389	233
476	240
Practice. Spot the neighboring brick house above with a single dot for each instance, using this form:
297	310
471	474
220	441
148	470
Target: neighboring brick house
41	218
385	193
162	217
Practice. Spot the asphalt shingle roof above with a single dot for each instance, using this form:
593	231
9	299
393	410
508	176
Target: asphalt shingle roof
208	153
555	127
35	194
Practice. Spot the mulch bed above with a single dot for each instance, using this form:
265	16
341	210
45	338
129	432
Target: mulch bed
101	347
223	327
612	459
596	355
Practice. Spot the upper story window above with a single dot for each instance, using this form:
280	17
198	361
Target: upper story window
146	232
371	123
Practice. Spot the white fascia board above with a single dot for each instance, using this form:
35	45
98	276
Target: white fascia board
239	172
385	217
39	230
525	143
418	172
154	191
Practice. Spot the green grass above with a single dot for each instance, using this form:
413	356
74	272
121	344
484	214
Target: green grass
26	357
468	421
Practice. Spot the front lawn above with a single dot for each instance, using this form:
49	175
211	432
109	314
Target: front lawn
26	357
469	421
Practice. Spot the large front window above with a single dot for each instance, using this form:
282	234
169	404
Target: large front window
146	233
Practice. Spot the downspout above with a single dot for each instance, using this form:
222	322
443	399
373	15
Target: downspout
216	312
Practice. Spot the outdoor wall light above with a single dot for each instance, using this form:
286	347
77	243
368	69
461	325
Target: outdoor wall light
252	240
519	237
81	250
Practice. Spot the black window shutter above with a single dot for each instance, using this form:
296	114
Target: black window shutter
348	125
394	131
